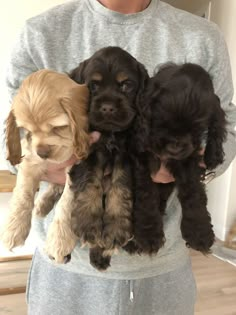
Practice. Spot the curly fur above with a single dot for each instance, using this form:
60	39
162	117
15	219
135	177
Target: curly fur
102	184
51	109
181	110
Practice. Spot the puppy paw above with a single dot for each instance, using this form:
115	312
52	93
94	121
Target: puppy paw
15	232
199	236
150	246
42	209
97	260
45	202
91	233
67	259
60	242
115	236
132	248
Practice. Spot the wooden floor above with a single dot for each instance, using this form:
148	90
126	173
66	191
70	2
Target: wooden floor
216	283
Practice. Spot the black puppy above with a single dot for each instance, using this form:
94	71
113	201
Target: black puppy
102	184
181	113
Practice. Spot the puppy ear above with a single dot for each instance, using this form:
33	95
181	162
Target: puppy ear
214	153
78	73
141	124
13	140
143	81
75	105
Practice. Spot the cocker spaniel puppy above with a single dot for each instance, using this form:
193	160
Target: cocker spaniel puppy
99	189
51	109
181	114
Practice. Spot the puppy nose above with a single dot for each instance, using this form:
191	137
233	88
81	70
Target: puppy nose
43	151
107	108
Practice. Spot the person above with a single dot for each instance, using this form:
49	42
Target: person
154	33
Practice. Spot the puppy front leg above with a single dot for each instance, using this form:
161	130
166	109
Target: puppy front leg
86	179
117	218
214	151
77	214
147	219
61	239
45	203
196	224
100	258
17	226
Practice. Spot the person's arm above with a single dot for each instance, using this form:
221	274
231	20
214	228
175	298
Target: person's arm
21	61
20	65
220	71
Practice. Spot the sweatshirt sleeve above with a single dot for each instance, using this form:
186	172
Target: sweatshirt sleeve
21	62
19	66
220	71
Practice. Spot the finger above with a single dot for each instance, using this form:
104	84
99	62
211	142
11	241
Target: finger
94	136
202	151
162	176
202	164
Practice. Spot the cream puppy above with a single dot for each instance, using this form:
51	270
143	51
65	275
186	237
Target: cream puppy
51	109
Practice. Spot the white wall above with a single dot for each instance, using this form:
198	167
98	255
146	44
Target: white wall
223	13
193	6
222	192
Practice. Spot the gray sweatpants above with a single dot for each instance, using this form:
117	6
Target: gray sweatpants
53	291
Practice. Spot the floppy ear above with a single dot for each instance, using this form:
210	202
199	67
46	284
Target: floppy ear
214	153
13	140
78	73
143	81
75	105
141	124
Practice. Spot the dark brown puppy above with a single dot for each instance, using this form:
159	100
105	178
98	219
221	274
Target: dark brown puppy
102	184
181	114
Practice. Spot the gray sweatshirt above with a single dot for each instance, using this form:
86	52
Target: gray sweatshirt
63	36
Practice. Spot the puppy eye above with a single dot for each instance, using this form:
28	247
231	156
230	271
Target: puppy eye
59	129
94	86
126	86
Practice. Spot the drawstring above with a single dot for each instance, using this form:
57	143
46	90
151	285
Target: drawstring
131	290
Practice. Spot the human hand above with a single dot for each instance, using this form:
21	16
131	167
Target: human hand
163	176
56	172
201	153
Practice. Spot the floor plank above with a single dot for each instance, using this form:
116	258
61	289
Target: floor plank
216	284
13	304
7	181
13	274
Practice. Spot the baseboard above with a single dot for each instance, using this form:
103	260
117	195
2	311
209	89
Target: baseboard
220	232
7	181
15	258
8	291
